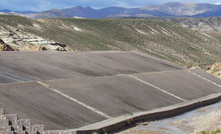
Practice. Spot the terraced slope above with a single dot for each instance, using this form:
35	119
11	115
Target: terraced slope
100	91
161	39
33	66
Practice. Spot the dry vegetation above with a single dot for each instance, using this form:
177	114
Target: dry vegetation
161	39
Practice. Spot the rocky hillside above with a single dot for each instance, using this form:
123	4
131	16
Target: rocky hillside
165	40
201	24
215	69
5	47
16	39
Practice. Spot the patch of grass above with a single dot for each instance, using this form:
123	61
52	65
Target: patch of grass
213	132
130	114
218	130
203	132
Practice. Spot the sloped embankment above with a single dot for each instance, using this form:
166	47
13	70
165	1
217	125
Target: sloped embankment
99	91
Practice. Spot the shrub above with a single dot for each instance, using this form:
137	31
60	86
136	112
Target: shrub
203	132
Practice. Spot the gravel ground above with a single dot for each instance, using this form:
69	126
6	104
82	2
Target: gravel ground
194	122
207	122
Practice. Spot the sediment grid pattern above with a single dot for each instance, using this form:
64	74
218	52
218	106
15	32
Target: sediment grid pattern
77	90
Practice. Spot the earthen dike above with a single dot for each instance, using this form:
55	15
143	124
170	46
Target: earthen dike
85	92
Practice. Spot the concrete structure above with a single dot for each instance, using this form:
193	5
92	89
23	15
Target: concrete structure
83	92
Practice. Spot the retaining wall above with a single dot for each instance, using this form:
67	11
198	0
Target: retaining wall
166	112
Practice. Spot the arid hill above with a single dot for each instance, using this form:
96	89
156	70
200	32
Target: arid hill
165	40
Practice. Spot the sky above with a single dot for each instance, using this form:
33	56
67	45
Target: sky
42	5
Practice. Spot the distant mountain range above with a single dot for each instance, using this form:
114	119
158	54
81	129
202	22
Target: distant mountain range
171	9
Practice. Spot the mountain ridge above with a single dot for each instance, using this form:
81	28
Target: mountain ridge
170	9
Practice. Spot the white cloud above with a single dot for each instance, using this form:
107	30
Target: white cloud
44	5
217	3
122	4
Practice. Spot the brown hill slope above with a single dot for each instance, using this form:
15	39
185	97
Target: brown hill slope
161	39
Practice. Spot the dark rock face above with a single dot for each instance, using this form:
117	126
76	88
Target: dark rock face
58	44
5	47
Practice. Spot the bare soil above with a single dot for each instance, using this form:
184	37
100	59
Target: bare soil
204	119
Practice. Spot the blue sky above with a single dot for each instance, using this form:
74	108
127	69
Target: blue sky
41	5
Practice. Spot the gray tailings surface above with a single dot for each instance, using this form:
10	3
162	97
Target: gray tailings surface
69	90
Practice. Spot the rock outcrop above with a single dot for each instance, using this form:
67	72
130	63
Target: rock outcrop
5	47
12	39
215	70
